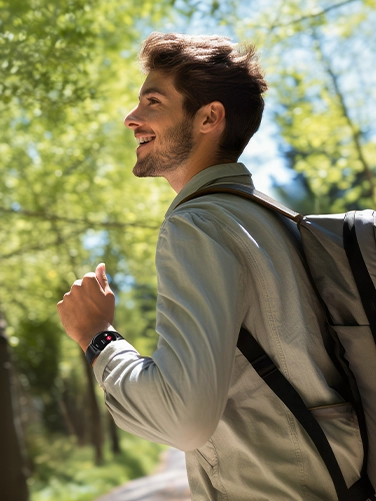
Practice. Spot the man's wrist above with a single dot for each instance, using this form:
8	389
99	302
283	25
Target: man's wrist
99	343
85	341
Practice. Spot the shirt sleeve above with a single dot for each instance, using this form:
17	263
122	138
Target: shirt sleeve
178	395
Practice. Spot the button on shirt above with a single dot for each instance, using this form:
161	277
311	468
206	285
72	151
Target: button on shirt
223	262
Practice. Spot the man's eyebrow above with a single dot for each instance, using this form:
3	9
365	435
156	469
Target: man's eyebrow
151	90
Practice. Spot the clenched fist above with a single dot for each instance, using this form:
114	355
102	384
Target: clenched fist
88	308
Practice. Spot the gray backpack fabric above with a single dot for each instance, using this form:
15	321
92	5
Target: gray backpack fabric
340	251
346	282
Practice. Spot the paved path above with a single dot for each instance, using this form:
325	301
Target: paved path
169	483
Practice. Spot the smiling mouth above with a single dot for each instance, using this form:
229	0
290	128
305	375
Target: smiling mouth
144	140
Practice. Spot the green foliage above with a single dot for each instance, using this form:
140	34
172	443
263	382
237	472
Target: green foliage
65	472
136	308
68	198
38	354
319	58
63	177
40	42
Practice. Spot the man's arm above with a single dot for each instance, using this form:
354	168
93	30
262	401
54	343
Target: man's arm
178	395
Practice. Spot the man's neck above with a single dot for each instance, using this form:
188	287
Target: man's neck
180	177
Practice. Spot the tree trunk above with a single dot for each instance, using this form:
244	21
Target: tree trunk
114	436
95	421
67	420
75	412
13	486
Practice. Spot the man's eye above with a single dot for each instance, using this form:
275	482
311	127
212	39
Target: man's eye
152	100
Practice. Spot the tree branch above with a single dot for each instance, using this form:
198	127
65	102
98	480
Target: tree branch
355	130
307	16
320	13
86	222
39	246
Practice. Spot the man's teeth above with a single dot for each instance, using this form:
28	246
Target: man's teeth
142	140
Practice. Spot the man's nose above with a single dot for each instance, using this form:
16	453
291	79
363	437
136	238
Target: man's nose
133	119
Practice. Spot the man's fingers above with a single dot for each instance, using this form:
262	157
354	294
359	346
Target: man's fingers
61	302
100	273
91	283
91	274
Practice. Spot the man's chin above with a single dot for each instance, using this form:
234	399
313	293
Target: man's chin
142	170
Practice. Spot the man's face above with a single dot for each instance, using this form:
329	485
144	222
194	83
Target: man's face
162	128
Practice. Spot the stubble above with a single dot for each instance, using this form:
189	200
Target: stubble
173	151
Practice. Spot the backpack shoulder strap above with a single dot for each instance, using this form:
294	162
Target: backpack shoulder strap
246	192
277	382
366	288
266	368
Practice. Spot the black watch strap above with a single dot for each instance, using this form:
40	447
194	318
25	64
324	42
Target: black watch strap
99	343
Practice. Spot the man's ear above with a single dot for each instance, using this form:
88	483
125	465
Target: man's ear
212	116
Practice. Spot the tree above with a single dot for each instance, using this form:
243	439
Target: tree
13	486
66	193
318	58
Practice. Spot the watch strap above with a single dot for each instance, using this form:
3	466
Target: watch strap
93	351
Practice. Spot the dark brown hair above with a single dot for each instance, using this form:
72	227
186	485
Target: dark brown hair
212	68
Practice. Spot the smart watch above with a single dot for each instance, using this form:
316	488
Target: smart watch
99	343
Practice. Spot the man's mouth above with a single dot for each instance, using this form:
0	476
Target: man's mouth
144	140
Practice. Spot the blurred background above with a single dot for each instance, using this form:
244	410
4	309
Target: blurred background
68	199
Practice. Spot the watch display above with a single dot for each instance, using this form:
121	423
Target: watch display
99	342
102	339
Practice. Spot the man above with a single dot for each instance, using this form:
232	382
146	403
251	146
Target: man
222	262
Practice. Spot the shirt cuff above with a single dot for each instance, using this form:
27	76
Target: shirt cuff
108	354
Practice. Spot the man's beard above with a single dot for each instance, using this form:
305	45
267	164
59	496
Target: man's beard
172	152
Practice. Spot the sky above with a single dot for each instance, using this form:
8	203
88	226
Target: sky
262	158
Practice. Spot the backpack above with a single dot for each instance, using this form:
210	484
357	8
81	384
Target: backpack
340	253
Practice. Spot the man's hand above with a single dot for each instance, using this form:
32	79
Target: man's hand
88	308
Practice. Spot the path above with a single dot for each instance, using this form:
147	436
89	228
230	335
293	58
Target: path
168	484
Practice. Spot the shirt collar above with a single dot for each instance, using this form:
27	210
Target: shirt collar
222	173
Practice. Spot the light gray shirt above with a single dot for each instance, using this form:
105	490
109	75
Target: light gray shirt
223	262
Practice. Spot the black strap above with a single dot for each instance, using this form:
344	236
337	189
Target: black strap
362	490
266	368
367	290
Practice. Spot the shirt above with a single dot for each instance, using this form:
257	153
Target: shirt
223	262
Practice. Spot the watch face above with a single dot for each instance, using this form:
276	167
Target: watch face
103	339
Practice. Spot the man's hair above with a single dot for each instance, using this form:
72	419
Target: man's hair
212	68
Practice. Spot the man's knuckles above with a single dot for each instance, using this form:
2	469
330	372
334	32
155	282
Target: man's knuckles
91	274
88	280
